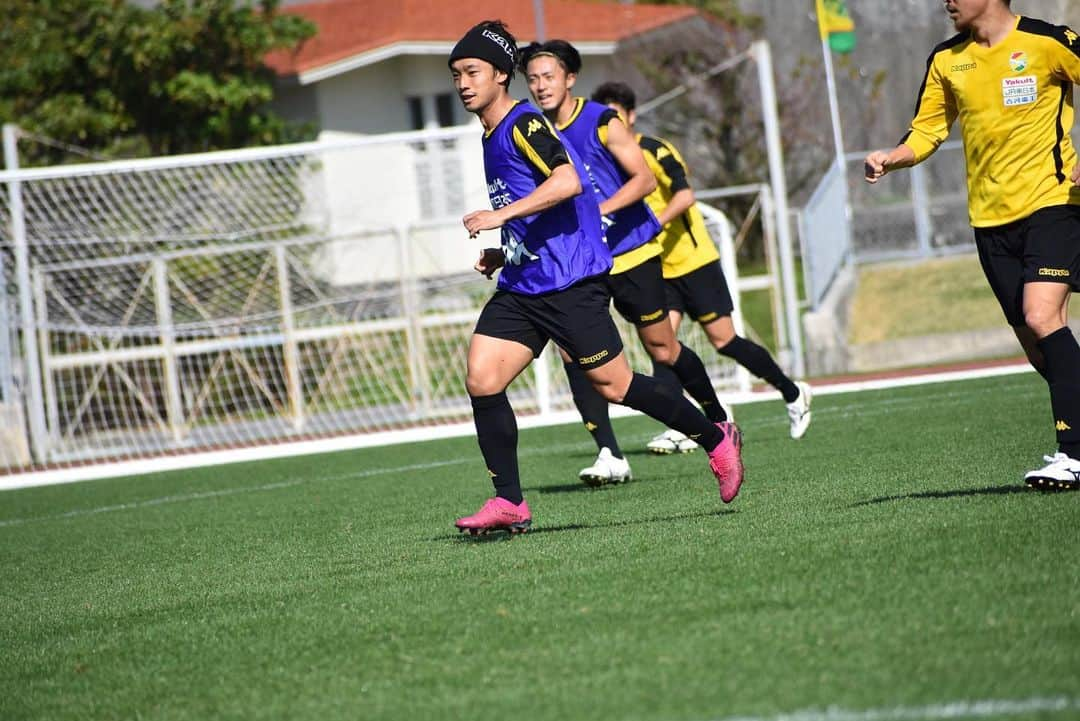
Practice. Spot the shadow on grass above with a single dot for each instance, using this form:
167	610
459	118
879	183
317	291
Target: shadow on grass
987	491
502	536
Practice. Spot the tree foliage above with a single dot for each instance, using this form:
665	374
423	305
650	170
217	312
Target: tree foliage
121	80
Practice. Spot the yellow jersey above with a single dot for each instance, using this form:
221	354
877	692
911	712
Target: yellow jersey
685	241
1014	102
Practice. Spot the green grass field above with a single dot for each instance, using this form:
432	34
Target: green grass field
890	560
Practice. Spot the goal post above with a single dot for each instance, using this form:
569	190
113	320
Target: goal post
232	299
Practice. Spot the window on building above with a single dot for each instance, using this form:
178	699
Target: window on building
438	165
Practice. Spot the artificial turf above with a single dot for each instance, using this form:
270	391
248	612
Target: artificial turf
890	559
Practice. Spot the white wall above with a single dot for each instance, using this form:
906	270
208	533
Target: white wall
368	100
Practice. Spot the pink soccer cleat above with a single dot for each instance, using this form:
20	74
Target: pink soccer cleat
495	515
726	461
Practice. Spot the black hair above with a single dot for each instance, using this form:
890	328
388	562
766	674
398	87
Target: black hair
564	52
615	92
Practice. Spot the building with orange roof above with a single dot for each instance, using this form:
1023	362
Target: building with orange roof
377	66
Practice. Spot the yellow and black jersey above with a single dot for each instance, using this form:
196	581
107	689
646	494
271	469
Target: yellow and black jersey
685	241
1015	106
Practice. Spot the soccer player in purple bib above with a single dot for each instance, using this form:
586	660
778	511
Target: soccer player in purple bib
621	181
552	284
1009	81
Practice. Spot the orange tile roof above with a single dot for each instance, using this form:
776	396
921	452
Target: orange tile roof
351	27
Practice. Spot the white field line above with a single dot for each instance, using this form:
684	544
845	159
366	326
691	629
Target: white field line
329	445
200	495
184	497
989	708
879	406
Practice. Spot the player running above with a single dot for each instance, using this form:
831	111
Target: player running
694	281
552	285
621	180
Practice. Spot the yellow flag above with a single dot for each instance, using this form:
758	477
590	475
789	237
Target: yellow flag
835	23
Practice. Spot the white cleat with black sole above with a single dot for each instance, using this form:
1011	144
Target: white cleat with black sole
798	411
606	469
1061	473
672	441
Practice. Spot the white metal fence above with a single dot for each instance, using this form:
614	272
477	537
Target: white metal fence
919	212
245	297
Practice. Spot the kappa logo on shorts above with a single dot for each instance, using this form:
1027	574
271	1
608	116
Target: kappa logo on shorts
1054	272
593	358
1062	426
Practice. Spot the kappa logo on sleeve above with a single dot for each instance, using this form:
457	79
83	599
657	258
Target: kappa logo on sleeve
533	126
1071	37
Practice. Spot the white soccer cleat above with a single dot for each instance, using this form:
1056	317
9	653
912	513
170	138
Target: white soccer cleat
1061	473
798	411
671	441
606	469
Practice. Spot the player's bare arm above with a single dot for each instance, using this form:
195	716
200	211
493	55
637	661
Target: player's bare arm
680	202
878	163
562	184
622	145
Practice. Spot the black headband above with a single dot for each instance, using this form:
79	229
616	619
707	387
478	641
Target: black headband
485	44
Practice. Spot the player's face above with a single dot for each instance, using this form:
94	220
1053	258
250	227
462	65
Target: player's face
477	83
548	81
964	12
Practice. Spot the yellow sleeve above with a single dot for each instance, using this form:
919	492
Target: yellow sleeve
1066	60
934	113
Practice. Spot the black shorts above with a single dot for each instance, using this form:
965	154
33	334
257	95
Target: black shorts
1043	247
702	294
639	293
578	319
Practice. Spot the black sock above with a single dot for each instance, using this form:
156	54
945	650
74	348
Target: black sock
757	360
593	408
658	402
665	375
1062	356
695	379
496	432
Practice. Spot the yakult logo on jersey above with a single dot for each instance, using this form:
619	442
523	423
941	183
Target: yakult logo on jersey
1019	91
1018	61
499	194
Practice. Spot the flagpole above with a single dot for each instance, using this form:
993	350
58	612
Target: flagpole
834	104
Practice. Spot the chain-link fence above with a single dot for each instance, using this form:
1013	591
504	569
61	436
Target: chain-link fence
916	213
